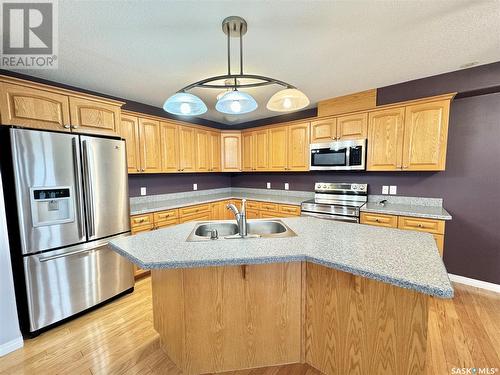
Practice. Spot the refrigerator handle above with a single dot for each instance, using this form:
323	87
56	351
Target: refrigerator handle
87	172
78	189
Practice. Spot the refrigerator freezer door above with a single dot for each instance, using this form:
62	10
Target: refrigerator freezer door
106	186
48	189
64	282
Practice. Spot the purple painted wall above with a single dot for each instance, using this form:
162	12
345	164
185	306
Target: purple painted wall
175	183
470	186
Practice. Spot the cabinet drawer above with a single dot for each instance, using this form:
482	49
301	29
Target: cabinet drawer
265	206
270	214
140	229
165	216
253	205
289	209
166	223
253	214
195	217
380	220
141	220
423	225
193	210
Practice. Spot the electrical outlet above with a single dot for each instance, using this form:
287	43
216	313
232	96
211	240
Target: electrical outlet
195	186
143	191
268	185
385	189
393	189
287	186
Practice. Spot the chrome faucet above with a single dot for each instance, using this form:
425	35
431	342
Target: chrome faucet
240	216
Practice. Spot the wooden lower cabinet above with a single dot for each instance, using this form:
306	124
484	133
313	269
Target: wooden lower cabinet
433	226
215	319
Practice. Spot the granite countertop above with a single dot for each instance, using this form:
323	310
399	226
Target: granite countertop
414	210
407	259
168	204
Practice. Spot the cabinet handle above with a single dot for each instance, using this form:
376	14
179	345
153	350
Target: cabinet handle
66	126
138	170
377	220
420	226
74	126
142	170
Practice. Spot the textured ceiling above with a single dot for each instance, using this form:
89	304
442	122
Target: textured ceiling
145	51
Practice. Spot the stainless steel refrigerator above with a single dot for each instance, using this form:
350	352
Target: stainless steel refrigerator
68	198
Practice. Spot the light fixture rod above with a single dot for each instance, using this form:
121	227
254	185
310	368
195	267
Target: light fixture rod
205	83
241	49
229	53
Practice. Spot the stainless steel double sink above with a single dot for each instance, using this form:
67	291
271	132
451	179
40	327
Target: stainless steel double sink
228	230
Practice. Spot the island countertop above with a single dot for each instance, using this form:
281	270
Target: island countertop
403	258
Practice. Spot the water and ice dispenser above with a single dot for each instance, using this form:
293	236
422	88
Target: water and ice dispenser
54	205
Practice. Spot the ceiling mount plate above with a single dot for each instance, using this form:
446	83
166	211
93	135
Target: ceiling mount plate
234	26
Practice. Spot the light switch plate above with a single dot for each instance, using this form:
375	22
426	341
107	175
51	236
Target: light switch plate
287	186
385	189
143	191
393	189
195	186
268	185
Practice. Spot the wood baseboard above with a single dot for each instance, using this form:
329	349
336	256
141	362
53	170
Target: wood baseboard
475	283
11	345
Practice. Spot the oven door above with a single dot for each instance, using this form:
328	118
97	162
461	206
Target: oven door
347	219
326	156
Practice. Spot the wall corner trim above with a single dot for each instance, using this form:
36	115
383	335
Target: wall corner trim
475	283
11	345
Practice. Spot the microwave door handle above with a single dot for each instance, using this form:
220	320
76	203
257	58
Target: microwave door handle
78	189
347	156
87	171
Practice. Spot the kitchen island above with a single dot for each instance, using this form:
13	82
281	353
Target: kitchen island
345	298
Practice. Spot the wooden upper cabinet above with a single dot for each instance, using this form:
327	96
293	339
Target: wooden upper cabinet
261	154
425	136
34	108
352	126
231	151
129	130
187	149
385	139
202	151
323	131
149	139
278	148
214	141
169	143
298	147
94	117
247	148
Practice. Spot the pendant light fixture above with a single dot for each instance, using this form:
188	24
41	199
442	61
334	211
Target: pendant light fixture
235	101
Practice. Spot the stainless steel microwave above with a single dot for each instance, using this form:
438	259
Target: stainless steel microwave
338	155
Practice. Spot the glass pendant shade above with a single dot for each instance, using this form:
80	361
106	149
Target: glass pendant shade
185	104
288	100
236	103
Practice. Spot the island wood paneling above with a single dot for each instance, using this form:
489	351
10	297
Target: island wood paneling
356	325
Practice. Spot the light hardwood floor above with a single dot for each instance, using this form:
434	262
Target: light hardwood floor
119	339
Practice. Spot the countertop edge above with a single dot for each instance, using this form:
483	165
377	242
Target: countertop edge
388	211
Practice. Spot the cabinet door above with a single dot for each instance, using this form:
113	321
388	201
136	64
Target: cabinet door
261	150
298	147
149	137
247	141
323	130
93	117
353	126
278	148
231	152
169	143
425	136
202	151
217	210
40	109
186	149
215	152
385	140
129	130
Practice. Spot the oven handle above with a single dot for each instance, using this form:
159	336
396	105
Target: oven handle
348	219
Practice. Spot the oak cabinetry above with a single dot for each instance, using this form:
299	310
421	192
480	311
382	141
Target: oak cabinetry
202	151
433	226
352	126
278	148
247	151
268	210
231	151
426	136
324	130
187	149
129	130
214	144
149	140
217	210
93	117
164	219
40	106
256	152
169	143
194	213
298	147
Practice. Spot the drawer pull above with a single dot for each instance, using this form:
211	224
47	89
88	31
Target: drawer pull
420	225
377	220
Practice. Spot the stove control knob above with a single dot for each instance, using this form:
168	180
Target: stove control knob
354	187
